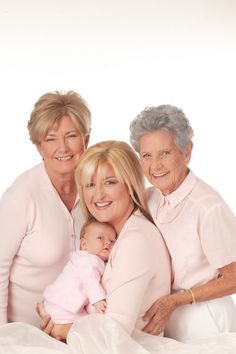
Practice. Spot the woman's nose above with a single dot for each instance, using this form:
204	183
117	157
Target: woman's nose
99	192
156	163
62	145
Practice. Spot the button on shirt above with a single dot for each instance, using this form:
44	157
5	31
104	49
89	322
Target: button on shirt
199	230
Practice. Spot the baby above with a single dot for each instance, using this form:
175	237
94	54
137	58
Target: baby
79	283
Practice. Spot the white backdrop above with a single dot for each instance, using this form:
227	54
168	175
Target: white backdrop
121	56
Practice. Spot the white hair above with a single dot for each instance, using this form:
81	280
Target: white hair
165	117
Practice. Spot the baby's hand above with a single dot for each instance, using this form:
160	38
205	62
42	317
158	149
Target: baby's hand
100	306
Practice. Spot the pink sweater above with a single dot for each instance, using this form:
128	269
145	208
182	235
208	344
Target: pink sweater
37	234
137	272
76	286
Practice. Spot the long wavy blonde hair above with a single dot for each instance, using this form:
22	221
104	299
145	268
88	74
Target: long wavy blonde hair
125	163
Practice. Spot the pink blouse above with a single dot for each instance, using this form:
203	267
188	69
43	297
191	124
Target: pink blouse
199	230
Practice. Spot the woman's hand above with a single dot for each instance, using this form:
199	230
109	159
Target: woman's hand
57	331
158	314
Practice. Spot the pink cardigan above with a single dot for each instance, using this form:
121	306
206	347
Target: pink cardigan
137	272
36	235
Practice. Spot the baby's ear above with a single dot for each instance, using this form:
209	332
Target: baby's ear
83	244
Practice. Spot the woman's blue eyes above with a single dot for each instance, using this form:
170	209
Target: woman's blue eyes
106	183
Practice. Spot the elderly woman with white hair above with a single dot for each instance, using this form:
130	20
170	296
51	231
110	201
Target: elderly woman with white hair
198	227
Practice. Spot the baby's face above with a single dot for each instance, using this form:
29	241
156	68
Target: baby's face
99	240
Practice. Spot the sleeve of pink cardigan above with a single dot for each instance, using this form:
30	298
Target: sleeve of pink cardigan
132	269
12	231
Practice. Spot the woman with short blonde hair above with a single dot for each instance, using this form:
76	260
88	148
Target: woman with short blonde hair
51	106
40	215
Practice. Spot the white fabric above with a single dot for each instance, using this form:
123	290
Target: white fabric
19	338
200	319
99	334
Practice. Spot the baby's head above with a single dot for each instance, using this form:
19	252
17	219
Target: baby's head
97	238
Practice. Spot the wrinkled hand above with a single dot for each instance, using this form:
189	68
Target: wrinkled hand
100	306
47	325
158	315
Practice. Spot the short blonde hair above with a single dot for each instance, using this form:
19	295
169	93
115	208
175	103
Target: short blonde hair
125	163
51	107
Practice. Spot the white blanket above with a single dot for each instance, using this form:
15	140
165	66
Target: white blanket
98	334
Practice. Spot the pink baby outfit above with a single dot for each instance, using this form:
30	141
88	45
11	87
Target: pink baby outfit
137	272
37	234
200	233
76	286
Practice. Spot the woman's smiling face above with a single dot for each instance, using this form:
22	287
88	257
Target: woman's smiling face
163	163
62	147
107	199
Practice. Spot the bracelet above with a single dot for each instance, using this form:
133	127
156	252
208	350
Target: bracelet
193	296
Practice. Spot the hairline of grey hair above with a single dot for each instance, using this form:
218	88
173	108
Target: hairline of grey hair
164	117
